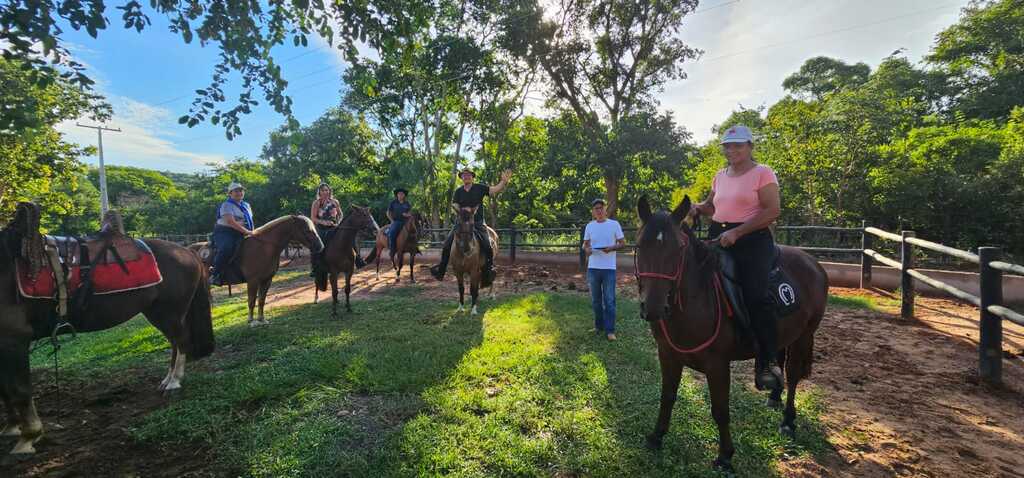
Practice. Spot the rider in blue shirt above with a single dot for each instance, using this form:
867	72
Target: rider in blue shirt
399	211
234	223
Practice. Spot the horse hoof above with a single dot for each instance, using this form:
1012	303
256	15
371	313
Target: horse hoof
263	322
11	431
788	431
25	447
652	443
473	312
724	466
253	324
773	404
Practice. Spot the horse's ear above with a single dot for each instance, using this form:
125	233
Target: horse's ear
680	212
643	209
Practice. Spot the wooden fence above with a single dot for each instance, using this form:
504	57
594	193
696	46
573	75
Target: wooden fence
990	303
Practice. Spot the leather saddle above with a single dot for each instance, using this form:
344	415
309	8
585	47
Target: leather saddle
781	289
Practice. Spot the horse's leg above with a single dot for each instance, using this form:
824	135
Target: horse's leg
16	380
379	250
462	292
254	290
334	295
11	427
170	369
474	291
264	288
177	370
348	291
412	267
671	374
798	365
775	396
718	386
401	263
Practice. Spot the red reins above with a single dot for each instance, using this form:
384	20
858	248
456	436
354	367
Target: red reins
677	279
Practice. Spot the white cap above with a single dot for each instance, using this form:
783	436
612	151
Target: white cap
738	134
235	185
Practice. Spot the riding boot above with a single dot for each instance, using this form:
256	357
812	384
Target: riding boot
768	374
360	263
314	262
438	270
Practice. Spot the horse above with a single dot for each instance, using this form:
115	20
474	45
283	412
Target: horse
340	256
466	257
682	298
258	256
179	306
406	242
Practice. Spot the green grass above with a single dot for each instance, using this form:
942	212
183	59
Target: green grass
403	388
879	304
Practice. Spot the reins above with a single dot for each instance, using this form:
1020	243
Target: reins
676	279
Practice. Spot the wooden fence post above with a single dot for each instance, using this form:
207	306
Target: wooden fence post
866	242
907	282
512	252
990	341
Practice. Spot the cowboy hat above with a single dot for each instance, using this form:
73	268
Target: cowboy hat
401	190
465	171
235	185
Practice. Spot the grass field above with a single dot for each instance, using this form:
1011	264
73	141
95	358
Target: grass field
403	388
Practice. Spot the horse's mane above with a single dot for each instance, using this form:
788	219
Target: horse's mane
271	224
661	224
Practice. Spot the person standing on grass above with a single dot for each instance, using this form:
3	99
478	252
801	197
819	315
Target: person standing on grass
602	237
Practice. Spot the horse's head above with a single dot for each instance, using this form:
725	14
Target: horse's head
305	233
467	223
360	218
664	247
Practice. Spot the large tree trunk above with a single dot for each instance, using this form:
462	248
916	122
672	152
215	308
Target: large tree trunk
611	187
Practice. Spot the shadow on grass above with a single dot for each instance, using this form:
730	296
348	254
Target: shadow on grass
543	396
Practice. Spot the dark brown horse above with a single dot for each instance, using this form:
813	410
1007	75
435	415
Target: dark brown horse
467	259
407	242
682	299
340	255
259	256
179	307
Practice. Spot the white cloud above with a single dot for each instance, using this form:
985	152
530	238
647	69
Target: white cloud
143	140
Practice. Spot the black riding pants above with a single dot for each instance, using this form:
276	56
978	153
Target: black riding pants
754	254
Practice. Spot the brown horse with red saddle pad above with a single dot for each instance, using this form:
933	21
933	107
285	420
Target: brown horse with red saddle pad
681	289
108	280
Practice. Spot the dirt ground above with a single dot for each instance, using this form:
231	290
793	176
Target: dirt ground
902	399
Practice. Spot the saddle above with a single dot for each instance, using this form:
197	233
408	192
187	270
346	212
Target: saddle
231	274
74	269
781	289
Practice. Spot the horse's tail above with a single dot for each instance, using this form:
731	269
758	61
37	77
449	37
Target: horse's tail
200	321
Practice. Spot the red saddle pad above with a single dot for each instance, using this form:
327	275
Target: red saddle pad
107	278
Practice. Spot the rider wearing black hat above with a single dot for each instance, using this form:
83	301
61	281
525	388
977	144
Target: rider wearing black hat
399	211
472	195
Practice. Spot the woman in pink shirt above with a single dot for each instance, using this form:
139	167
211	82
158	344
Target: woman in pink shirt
743	202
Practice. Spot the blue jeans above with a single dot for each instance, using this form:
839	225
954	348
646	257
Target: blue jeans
393	230
226	240
602	297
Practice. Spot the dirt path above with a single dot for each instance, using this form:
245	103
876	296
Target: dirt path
901	398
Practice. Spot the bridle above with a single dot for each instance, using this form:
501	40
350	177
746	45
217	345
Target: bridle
676	279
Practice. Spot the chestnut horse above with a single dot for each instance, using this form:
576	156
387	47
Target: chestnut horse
407	242
340	255
179	307
259	256
681	294
467	259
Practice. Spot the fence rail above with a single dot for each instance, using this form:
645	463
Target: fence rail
989	303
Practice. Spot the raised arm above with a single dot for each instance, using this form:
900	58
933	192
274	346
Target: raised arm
497	188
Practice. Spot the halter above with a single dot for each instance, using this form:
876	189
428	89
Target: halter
676	279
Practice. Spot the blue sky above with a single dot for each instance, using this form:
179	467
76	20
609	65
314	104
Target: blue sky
750	47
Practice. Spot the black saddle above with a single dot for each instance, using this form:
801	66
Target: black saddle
781	289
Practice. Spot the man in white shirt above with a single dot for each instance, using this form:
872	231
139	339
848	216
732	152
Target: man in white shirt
601	239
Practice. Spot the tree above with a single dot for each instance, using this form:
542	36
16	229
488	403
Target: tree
603	60
983	55
245	33
35	159
141	196
820	76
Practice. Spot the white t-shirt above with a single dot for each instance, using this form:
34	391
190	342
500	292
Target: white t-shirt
602	234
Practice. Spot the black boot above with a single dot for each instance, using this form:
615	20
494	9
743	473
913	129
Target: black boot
768	375
314	262
446	249
360	263
489	274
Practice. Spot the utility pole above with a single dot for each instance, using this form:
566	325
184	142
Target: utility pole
104	203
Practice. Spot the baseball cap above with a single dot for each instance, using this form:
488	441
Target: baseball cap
738	134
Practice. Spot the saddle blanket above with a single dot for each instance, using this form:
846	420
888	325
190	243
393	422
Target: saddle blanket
107	278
